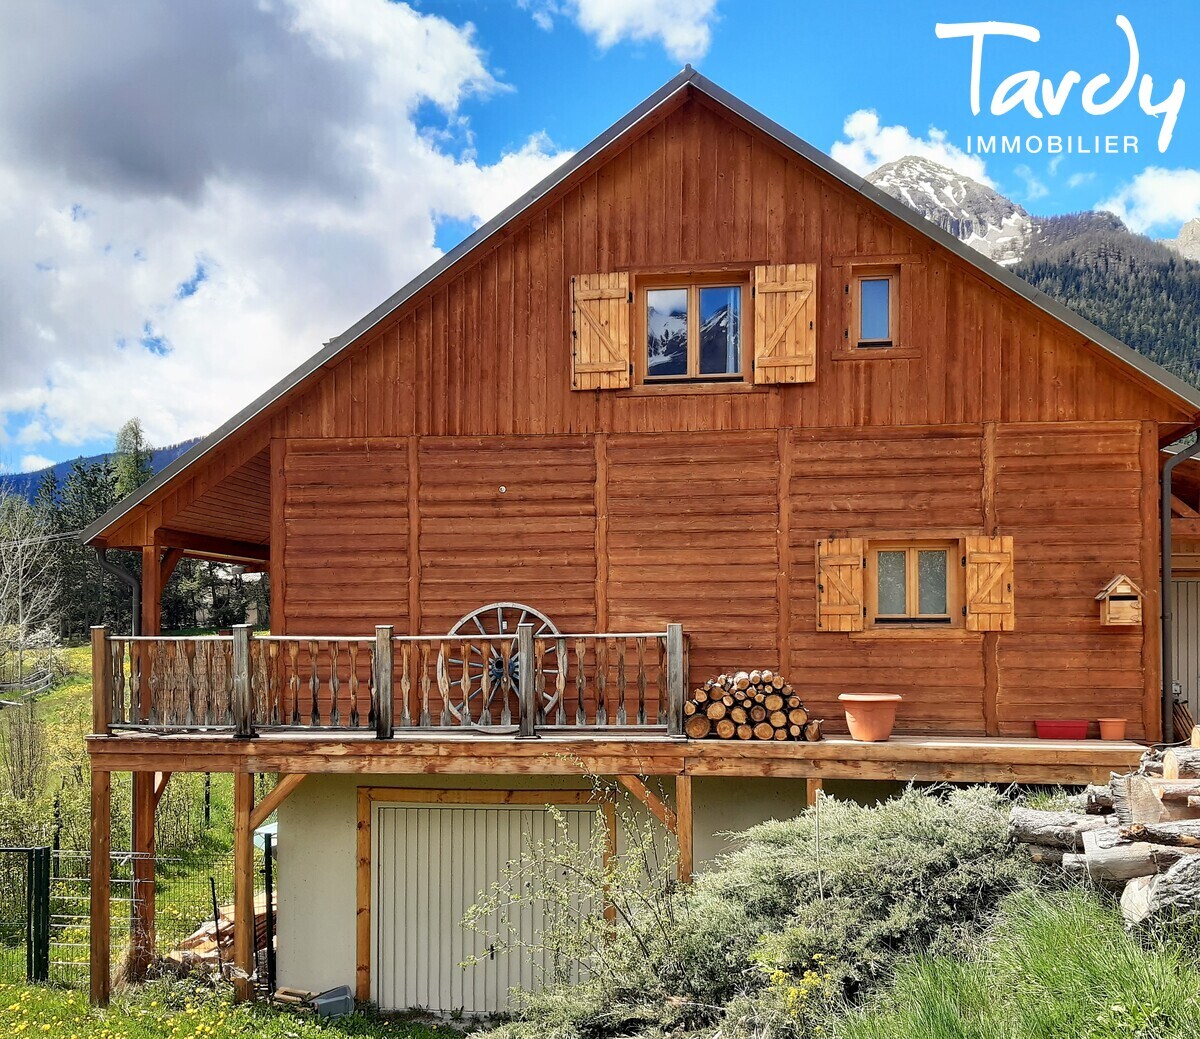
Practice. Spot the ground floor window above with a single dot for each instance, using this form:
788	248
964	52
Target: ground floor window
914	583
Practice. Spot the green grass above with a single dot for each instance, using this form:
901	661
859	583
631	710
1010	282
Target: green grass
179	1010
1057	965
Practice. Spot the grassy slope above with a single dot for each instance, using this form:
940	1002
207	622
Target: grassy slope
177	1011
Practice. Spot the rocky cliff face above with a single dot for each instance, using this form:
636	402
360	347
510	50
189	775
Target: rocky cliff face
1188	242
972	212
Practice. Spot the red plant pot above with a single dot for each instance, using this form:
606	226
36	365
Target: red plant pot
1061	730
870	717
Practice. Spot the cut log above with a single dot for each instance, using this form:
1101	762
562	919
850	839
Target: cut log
797	716
773	702
1177	791
1098	800
758	714
1175	895
689	708
1184	834
739	715
1112	860
697	726
745	732
1039	853
1136	899
1055	829
812	731
764	731
716	711
1181	763
726	729
778	719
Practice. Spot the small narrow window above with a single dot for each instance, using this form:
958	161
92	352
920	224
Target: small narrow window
693	332
875	309
913	584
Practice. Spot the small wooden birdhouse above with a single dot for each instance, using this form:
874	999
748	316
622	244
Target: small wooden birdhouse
1120	602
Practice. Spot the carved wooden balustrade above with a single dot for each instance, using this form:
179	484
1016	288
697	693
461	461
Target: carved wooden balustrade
245	683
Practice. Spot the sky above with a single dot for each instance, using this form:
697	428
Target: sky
196	195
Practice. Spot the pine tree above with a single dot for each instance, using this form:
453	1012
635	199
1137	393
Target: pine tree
133	459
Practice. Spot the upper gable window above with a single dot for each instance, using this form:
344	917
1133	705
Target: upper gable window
693	330
875	308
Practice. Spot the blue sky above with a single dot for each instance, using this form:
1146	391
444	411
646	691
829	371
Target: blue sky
178	282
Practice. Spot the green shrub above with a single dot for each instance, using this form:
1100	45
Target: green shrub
1057	964
779	932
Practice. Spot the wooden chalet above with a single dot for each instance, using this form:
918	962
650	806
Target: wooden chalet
701	401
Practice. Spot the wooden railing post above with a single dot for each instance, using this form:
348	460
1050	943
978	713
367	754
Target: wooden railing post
384	674
525	679
102	681
676	679
243	702
99	938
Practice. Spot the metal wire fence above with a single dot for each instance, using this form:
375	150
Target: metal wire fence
45	898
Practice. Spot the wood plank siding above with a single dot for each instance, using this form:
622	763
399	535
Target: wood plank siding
444	460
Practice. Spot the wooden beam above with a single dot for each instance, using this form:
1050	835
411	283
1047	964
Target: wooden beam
362	898
243	885
282	791
101	681
170	560
161	779
644	794
683	836
1185	528
141	909
100	929
151	591
812	789
224	548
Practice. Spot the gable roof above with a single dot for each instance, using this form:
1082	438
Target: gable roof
1187	395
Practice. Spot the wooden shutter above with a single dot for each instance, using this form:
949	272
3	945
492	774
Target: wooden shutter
785	323
840	584
600	331
989	598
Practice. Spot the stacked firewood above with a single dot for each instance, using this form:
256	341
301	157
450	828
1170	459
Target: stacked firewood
748	705
1139	831
212	942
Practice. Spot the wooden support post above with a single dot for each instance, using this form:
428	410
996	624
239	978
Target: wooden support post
243	884
243	702
812	790
676	679
101	681
151	590
525	679
683	826
385	669
141	910
100	969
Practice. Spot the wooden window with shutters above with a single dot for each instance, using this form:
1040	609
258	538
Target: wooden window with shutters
841	563
785	323
914	584
600	331
692	327
988	566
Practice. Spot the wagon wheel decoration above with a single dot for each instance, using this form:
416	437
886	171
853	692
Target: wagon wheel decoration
466	663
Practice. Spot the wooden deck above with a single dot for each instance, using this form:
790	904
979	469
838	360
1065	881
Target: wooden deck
952	759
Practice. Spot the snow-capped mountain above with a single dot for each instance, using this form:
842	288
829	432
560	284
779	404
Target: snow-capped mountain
973	213
1188	242
666	335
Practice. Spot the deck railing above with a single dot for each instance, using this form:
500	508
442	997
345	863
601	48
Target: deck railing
245	683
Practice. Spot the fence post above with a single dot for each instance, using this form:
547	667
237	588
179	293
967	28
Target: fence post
676	679
243	703
102	681
43	933
526	687
269	884
384	675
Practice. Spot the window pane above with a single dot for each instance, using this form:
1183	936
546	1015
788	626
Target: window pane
892	597
875	306
720	330
666	332
931	582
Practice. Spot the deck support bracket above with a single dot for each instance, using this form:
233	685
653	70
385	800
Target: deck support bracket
281	792
643	793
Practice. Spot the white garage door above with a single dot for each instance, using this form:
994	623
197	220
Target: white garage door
1185	615
430	865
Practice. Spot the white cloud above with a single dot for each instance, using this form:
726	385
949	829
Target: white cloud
172	244
870	144
1077	180
32	463
1034	188
683	27
1157	199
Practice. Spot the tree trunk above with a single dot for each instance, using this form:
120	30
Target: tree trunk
1181	763
1055	829
1180	834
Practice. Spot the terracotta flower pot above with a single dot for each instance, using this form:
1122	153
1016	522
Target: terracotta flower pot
1112	728
870	716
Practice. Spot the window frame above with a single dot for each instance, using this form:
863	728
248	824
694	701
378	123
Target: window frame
891	274
910	620
692	282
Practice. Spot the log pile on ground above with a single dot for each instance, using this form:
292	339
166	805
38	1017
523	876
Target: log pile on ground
211	944
1139	832
748	705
